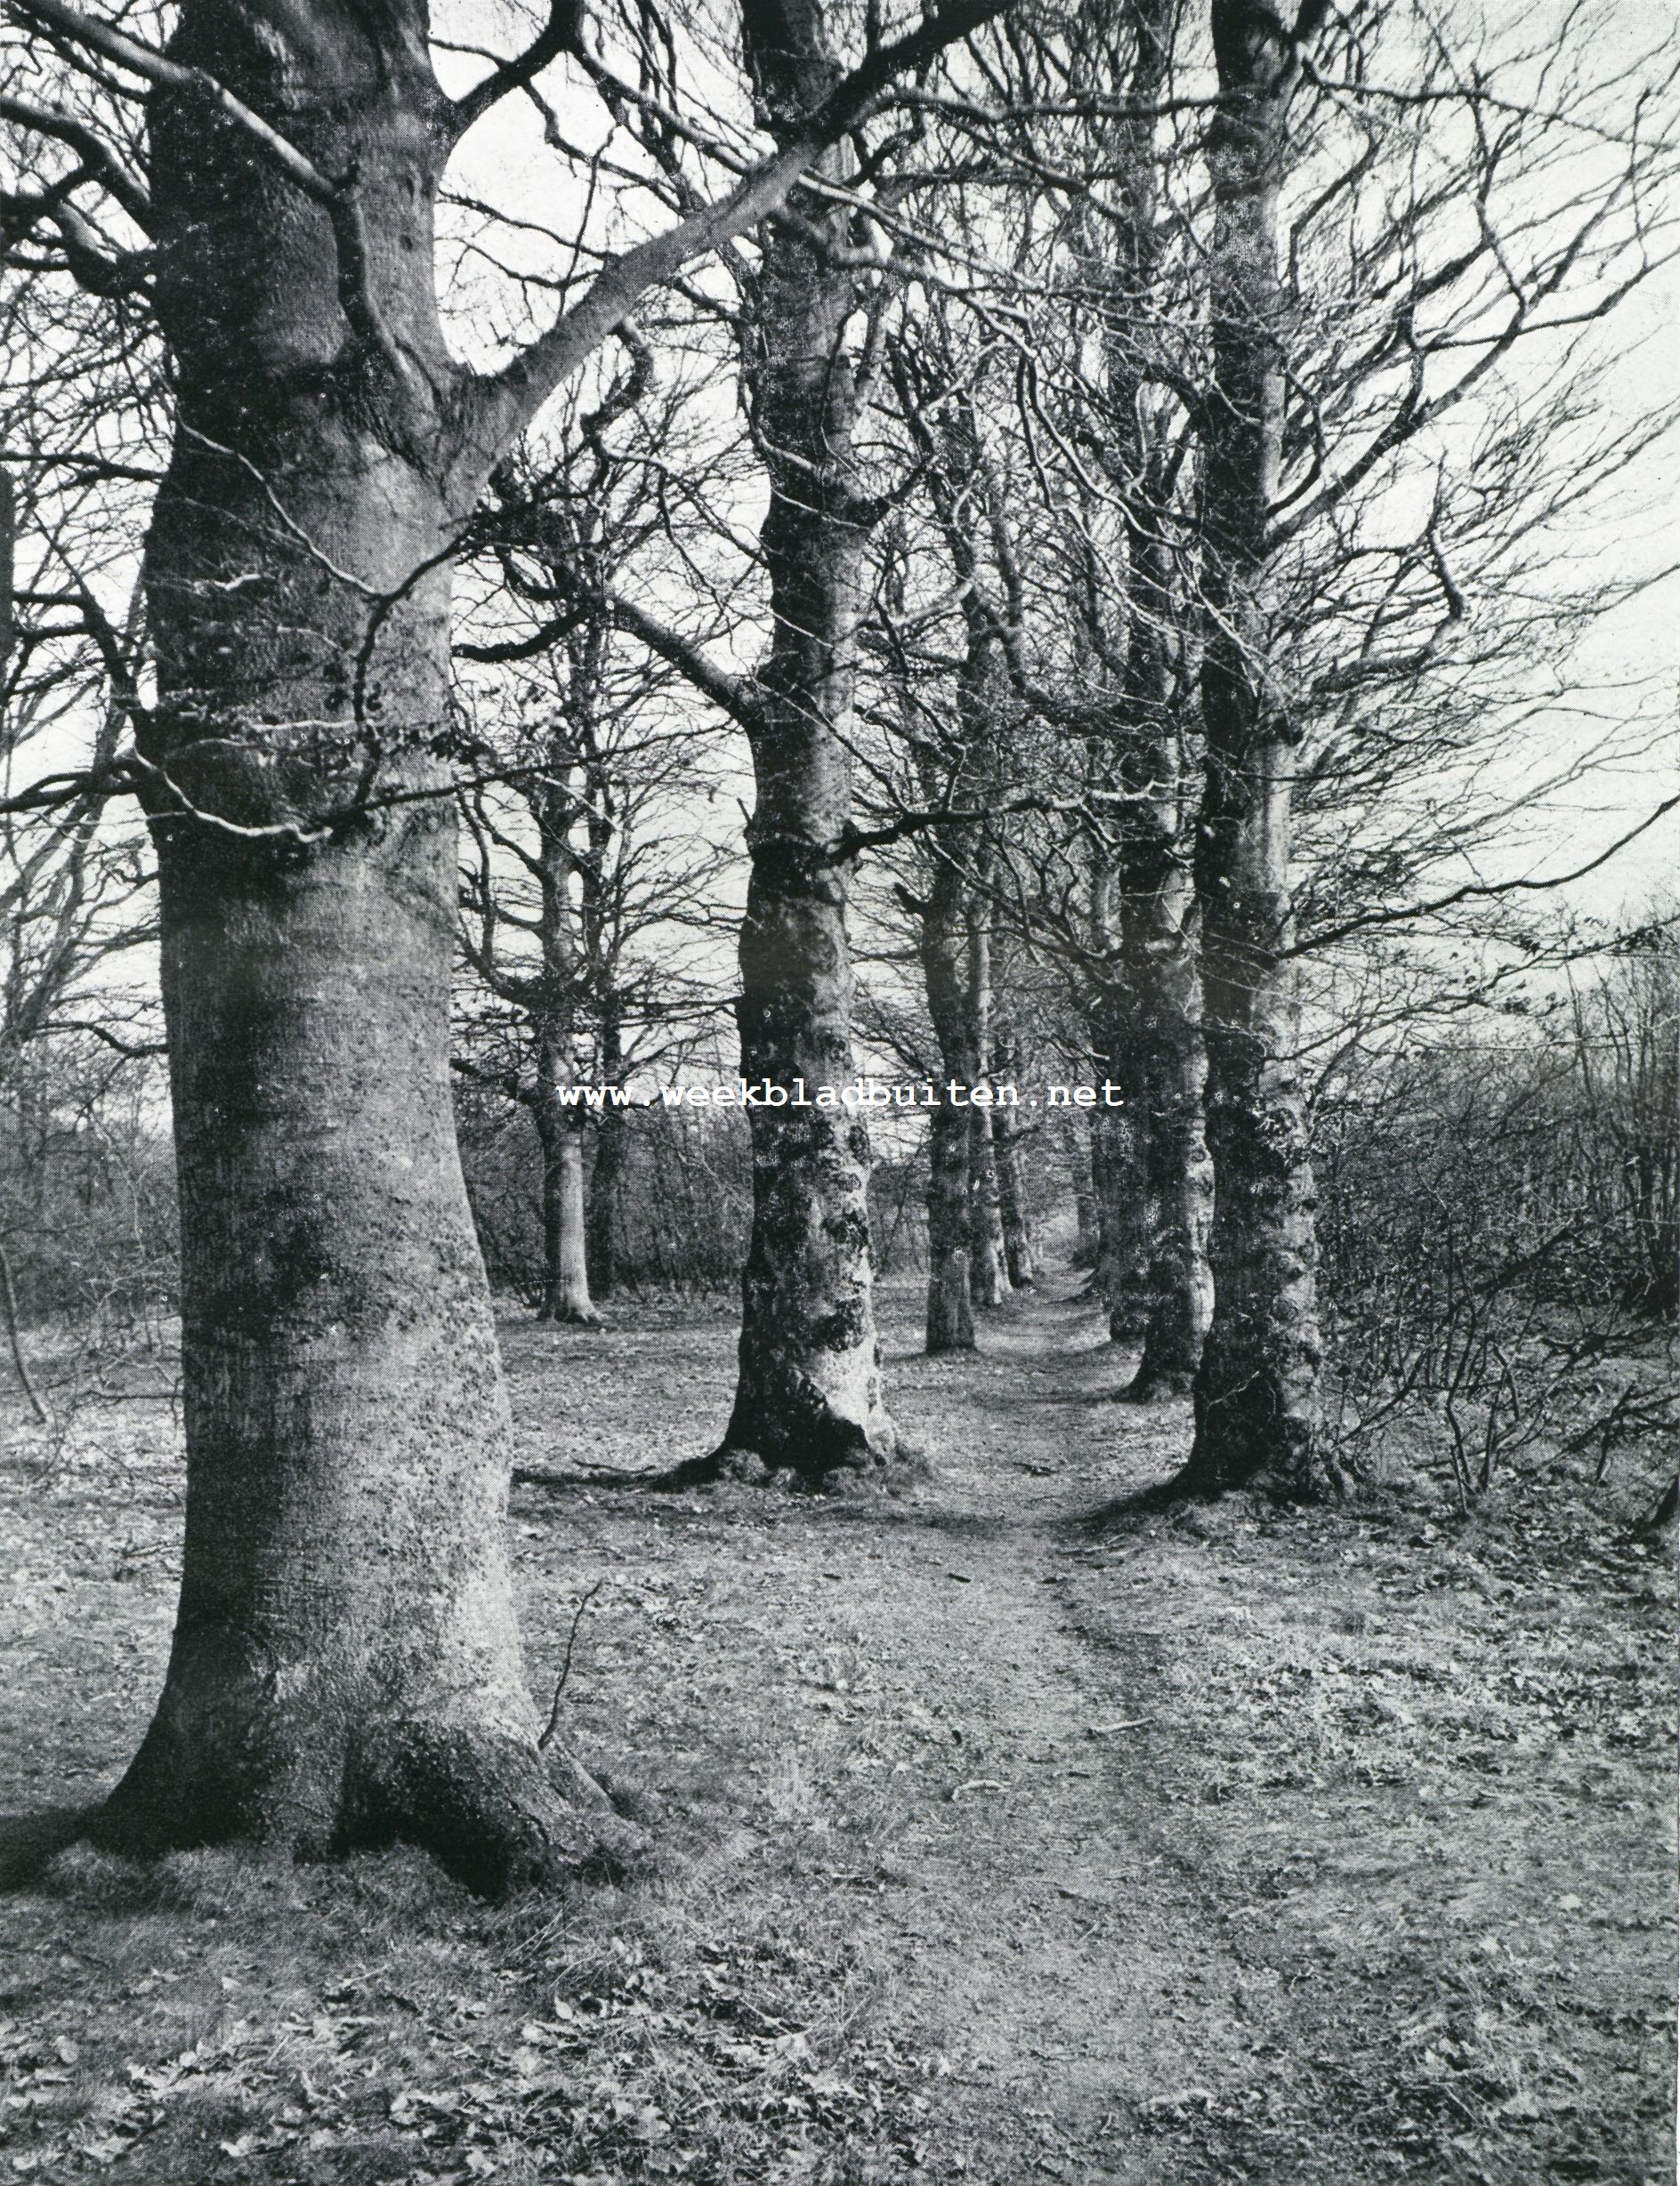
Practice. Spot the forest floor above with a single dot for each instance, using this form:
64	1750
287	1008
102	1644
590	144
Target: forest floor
1000	1834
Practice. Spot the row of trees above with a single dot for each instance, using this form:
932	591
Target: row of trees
1136	501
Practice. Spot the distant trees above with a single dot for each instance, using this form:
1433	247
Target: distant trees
85	1206
1259	539
952	713
587	872
1622	1158
1499	1236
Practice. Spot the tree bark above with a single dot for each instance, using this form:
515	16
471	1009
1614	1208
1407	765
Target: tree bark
345	1665
809	1395
1157	1048
562	986
1087	1237
1122	1257
1257	1396
600	1233
1012	1191
990	1255
566	1297
1177	1189
988	1262
944	943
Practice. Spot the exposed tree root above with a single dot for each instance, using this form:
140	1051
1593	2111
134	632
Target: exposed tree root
816	1472
1197	1482
497	1813
571	1317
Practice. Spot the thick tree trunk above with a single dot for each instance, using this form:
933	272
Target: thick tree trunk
809	1394
944	945
1156	1043
1257	1389
1177	1198
345	1665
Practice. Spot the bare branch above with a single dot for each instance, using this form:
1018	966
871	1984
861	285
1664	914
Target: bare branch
506	401
561	34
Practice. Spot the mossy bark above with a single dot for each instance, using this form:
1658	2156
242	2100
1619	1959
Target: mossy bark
809	1394
1256	1396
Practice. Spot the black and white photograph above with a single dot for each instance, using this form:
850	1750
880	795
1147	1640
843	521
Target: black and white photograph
839	1091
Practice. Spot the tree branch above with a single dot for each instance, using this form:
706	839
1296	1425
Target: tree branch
95	155
155	68
336	195
734	694
561	34
500	405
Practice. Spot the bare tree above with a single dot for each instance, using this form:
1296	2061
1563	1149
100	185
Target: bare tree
346	1664
586	879
1256	1391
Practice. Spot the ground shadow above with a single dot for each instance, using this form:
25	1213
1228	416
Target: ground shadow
28	1841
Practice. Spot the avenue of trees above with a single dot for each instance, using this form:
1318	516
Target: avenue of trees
550	553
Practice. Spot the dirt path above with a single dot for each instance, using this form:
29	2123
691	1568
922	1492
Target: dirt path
1185	1843
946	1666
1038	1921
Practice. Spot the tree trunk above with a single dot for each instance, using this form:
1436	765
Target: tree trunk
950	1320
987	1263
1086	1239
1176	1200
345	1665
1158	1058
1122	1259
566	1295
601	1231
1012	1191
1013	1206
1257	1392
988	1253
809	1394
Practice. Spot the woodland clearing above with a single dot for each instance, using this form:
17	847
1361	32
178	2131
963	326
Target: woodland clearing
998	1831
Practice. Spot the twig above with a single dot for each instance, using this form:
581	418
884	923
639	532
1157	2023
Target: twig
547	1738
9	1298
586	1476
